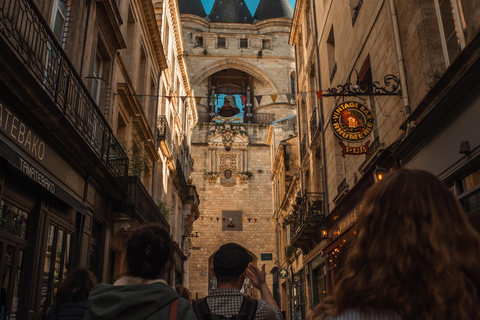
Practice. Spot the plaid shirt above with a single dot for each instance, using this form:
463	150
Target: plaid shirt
227	302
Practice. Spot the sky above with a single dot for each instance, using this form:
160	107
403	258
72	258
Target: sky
251	4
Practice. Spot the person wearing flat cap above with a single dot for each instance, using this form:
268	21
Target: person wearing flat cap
231	265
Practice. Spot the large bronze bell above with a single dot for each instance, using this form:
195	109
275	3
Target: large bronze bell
229	108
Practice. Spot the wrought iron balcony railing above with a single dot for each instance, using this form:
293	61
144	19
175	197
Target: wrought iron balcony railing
263	118
23	27
181	181
309	211
303	148
313	124
165	136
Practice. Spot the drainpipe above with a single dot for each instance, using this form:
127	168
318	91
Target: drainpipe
401	65
155	138
322	128
322	118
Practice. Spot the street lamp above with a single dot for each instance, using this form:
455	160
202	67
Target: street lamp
324	232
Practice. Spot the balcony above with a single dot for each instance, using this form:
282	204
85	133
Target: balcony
303	148
309	213
139	205
313	124
24	32
180	182
164	136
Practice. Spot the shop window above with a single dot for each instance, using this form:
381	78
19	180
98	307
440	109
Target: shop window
470	192
221	42
232	221
319	283
12	257
13	220
57	262
243	43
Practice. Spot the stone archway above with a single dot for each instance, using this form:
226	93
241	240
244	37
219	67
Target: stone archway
238	64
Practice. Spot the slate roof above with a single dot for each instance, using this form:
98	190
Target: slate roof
233	11
269	9
194	7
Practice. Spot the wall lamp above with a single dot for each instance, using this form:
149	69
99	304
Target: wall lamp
324	233
379	173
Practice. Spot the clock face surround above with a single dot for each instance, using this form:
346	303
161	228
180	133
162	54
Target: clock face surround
228	162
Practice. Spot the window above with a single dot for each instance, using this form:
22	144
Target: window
59	22
13	220
452	28
292	86
332	63
232	221
243	43
470	192
57	262
96	77
266	44
221	43
198	41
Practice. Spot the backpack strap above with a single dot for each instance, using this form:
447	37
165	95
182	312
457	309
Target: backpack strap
201	308
173	309
249	307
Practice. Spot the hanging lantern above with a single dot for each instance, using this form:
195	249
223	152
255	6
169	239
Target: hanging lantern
229	108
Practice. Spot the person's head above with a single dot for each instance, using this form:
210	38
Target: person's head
415	253
149	251
78	282
183	292
230	262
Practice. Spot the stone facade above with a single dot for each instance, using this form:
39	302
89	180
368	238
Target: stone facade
251	59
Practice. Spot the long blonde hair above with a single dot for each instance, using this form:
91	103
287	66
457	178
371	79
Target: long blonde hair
415	254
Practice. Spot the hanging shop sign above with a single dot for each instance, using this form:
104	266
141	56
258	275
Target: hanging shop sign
283	273
352	121
364	149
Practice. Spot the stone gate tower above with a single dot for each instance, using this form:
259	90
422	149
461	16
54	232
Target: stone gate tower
245	60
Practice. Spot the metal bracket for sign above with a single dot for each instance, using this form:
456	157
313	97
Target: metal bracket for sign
391	88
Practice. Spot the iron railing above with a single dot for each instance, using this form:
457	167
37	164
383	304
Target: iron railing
313	124
309	208
141	203
263	118
182	182
303	148
23	27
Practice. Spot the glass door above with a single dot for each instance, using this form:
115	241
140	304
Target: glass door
12	256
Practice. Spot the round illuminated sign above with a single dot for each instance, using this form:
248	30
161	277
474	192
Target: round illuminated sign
352	121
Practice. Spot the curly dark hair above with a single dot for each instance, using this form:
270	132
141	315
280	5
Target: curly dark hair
149	251
415	254
78	283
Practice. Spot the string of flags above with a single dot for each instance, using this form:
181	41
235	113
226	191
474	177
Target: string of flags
218	219
301	96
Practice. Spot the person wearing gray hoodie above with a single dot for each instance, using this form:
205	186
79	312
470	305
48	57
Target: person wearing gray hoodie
141	294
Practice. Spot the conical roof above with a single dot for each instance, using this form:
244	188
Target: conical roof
269	9
235	11
192	7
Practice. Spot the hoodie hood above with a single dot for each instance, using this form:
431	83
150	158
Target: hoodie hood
132	301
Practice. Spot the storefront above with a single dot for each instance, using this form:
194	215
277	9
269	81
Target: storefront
51	218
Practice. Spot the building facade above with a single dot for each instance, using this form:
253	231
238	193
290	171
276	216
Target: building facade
86	149
373	82
244	63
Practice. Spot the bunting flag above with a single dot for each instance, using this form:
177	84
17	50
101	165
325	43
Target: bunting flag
259	98
169	98
255	220
223	219
304	96
243	219
274	219
289	97
268	219
211	218
183	98
218	219
202	218
319	95
249	219
230	219
244	100
198	99
140	98
274	97
189	216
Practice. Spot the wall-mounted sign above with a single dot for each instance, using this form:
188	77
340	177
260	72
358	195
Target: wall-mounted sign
283	273
266	257
352	121
355	150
